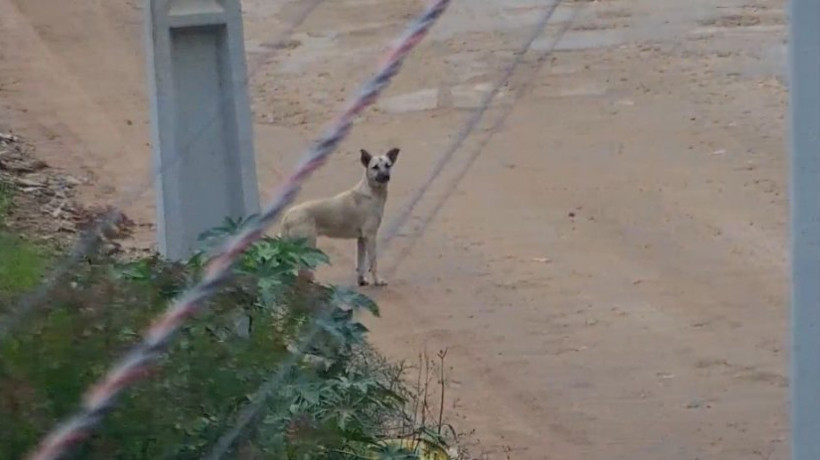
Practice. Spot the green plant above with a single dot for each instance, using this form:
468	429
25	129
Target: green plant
333	402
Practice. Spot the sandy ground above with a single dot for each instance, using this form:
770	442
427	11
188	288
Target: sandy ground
609	277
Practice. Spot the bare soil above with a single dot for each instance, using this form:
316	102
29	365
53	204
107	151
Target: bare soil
610	276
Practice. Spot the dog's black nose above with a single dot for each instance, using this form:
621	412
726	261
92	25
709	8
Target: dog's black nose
382	178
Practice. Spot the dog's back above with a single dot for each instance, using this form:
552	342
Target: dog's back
343	216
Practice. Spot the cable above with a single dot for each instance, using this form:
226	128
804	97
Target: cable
252	409
91	238
495	128
472	123
135	365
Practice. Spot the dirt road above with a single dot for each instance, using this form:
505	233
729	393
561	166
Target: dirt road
610	275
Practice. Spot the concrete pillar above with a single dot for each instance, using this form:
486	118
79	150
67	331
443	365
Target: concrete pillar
201	119
804	46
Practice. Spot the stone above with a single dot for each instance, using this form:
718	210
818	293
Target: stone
425	99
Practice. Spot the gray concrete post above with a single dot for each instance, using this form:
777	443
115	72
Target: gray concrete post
201	119
805	227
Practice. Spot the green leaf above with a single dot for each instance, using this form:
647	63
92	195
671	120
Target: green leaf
355	300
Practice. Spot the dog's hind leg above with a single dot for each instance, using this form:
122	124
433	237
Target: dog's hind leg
304	232
361	269
310	241
370	246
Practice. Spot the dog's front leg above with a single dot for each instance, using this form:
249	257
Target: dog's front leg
360	259
370	246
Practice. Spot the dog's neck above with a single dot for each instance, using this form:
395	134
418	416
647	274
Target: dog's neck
366	187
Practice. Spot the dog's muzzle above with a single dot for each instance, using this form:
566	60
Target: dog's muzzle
383	178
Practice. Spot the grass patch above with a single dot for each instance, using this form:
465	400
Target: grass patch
5	199
22	265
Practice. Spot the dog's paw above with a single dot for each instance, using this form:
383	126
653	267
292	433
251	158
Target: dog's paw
363	282
380	282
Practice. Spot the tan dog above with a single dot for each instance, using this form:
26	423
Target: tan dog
353	214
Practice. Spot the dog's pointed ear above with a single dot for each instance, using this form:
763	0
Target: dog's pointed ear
393	155
366	157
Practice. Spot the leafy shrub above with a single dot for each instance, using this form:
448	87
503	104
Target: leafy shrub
333	405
